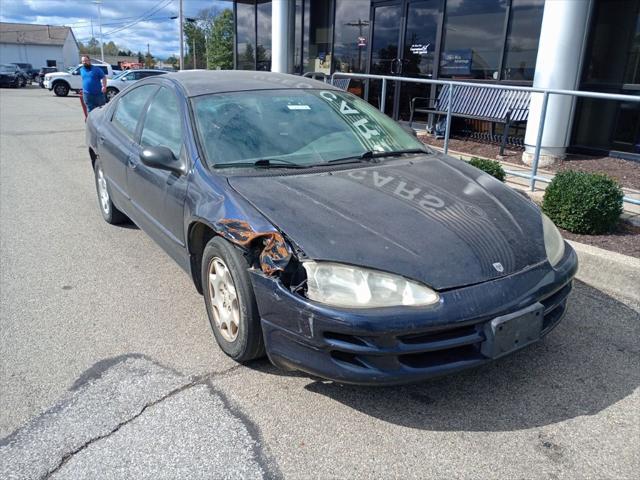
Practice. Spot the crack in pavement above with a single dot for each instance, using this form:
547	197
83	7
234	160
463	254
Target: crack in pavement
116	393
66	457
199	380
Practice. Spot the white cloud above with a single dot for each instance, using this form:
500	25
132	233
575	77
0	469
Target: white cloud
119	20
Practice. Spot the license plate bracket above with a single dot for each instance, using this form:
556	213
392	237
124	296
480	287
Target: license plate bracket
514	331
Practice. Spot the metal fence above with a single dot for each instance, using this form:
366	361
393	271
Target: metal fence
546	92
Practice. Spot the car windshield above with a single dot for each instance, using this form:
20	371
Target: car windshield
301	126
7	68
121	74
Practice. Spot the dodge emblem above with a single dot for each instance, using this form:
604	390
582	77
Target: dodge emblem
498	266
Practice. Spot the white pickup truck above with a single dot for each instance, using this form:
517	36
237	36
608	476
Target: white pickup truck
62	82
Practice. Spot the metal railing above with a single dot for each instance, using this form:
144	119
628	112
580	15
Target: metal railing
546	92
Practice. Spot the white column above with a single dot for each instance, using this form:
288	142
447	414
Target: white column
563	36
281	33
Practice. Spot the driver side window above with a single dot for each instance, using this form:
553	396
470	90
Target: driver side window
162	124
129	109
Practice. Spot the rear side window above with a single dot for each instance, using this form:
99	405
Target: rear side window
129	108
162	123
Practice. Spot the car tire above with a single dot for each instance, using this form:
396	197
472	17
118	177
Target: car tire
230	301
109	211
111	92
61	89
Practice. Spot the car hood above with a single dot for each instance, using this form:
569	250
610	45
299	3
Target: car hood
432	219
57	74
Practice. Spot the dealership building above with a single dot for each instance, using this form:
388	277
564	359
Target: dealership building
562	44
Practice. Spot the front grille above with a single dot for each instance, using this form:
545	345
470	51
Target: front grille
439	335
435	348
440	358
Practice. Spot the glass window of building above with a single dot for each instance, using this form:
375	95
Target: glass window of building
350	48
317	36
245	36
611	65
263	47
522	41
473	39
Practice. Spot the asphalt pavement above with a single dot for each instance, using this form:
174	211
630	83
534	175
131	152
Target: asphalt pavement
109	368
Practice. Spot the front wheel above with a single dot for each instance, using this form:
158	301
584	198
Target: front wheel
111	92
61	89
109	211
230	301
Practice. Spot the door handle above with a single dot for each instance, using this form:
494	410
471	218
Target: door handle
393	65
100	139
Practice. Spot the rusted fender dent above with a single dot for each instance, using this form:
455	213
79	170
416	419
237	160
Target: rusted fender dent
275	254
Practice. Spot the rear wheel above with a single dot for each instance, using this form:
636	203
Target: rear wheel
111	92
230	301
109	211
61	89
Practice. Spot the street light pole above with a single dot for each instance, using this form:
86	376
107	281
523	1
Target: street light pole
98	2
181	38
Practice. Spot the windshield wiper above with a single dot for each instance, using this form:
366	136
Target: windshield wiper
370	155
393	153
263	163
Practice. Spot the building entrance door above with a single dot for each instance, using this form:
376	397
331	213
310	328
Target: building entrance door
404	42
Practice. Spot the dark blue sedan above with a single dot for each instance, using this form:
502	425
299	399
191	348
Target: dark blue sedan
323	234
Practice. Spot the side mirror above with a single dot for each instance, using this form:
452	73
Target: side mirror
162	158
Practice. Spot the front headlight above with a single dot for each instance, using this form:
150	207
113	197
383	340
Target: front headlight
354	287
553	242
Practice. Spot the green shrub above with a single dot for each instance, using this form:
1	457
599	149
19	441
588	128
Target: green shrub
583	202
489	166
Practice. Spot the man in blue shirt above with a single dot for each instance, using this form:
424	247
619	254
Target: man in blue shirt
94	84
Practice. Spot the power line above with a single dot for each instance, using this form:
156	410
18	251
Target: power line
161	5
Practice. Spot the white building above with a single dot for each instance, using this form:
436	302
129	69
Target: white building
39	45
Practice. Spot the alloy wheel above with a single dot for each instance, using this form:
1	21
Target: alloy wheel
103	193
224	299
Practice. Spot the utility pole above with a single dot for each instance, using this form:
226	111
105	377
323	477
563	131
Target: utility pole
98	2
181	38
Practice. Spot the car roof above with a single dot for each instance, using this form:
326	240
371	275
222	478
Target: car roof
204	82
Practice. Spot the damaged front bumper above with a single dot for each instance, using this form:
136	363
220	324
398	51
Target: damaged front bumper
404	344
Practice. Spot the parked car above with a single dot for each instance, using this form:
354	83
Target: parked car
323	233
12	76
126	78
28	70
63	82
42	72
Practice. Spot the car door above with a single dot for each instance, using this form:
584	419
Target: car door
115	139
157	196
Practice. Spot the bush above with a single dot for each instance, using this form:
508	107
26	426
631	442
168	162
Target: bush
489	166
583	202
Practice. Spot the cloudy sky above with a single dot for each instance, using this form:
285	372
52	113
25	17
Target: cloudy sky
129	23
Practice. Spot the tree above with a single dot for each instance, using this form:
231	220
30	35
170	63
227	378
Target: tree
173	61
220	41
149	61
111	48
195	35
140	57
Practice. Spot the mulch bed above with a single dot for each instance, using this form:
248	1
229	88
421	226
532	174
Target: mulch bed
625	239
626	172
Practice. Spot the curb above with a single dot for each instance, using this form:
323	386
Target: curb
607	270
